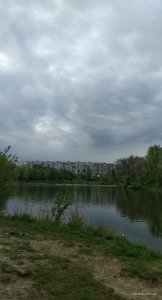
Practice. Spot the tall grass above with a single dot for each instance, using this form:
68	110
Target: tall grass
76	220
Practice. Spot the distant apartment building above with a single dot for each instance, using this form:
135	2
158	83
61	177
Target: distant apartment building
76	168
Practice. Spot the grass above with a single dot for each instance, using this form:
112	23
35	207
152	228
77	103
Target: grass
143	270
51	279
79	285
48	274
102	238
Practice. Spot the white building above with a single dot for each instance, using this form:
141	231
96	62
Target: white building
74	167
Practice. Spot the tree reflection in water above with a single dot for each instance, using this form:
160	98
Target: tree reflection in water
3	199
136	205
142	205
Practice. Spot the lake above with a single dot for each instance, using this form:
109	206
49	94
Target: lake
137	214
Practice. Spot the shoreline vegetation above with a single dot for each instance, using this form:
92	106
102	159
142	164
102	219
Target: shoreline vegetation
132	172
69	183
153	189
63	183
43	260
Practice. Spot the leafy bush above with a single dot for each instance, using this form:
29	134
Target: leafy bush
62	202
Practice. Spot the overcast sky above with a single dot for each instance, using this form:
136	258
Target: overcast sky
80	79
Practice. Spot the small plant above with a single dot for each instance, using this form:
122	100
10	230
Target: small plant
62	202
76	220
105	232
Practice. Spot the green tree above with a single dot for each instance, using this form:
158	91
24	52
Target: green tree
89	174
154	159
153	154
106	179
7	166
133	171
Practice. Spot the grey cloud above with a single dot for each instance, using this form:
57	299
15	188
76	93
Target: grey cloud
80	80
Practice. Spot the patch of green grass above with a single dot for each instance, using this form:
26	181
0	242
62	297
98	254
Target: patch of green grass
23	217
6	268
85	251
63	279
57	278
149	271
123	248
5	278
105	233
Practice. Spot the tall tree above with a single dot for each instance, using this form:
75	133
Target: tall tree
153	154
7	165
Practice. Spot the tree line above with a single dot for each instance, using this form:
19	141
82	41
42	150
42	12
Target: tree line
130	172
39	173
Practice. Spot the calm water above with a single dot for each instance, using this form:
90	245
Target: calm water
138	214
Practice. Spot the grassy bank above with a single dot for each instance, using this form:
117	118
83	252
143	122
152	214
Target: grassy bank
42	261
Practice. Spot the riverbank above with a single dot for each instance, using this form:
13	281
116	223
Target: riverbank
87	183
42	261
19	183
71	183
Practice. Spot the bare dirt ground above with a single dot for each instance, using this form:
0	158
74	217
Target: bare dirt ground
17	255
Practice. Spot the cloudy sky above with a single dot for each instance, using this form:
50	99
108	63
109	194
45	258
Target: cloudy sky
80	79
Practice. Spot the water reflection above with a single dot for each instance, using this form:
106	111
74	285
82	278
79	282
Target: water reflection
142	205
99	204
3	200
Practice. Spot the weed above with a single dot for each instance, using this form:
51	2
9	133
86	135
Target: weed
62	202
76	220
106	233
